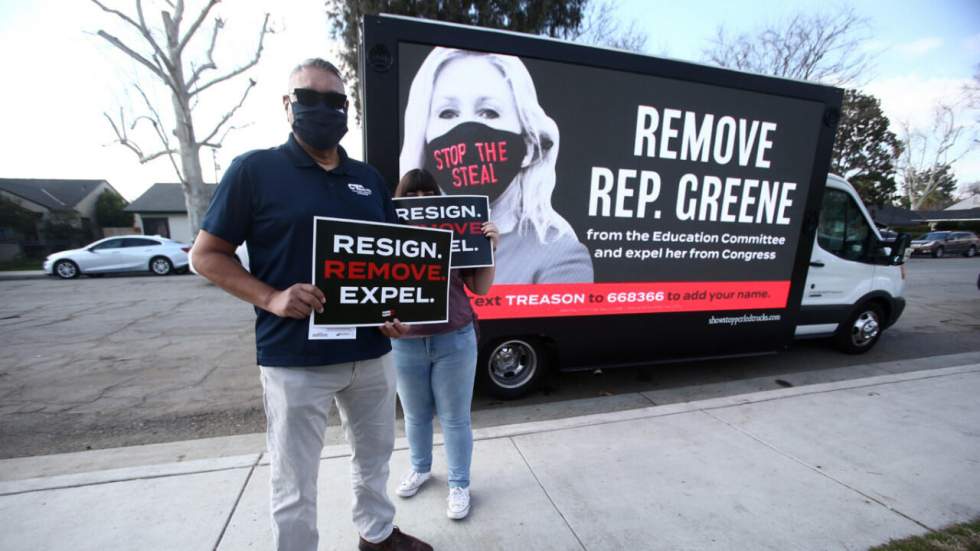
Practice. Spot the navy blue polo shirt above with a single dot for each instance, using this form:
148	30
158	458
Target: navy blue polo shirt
268	198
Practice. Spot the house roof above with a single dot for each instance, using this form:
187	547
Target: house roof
164	198
887	215
949	215
52	194
971	202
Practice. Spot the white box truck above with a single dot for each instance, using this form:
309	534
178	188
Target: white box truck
651	210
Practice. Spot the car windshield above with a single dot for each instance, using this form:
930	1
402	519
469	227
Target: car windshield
933	236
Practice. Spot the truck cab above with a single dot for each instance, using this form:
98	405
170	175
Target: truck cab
856	278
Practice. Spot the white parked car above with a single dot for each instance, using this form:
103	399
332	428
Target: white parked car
126	253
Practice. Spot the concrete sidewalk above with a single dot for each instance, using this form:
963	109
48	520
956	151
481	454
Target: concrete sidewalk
842	465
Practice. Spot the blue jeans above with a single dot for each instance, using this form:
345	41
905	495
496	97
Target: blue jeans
435	376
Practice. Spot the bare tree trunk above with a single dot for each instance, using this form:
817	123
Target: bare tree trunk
196	196
191	174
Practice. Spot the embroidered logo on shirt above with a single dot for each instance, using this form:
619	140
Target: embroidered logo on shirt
359	189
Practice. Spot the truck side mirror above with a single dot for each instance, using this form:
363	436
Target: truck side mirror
897	253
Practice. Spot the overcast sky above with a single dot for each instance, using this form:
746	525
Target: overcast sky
60	78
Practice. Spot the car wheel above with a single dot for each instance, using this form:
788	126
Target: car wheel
862	330
66	269
512	367
161	265
971	252
938	253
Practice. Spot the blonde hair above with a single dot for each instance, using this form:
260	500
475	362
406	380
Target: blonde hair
536	181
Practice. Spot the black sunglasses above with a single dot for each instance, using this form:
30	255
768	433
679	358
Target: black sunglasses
312	98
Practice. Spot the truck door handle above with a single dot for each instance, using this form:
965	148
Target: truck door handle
816	264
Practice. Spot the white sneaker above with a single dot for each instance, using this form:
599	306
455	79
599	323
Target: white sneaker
411	483
458	503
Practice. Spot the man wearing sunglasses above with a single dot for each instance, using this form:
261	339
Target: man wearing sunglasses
268	198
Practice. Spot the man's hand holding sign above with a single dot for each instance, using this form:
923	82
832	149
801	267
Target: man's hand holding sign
375	274
297	302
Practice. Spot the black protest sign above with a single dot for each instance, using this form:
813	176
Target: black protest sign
374	272
463	214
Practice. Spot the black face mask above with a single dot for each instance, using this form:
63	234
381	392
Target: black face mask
474	159
320	127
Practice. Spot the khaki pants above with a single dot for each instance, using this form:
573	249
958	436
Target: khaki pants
297	403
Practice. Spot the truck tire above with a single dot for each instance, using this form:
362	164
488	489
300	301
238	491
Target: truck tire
512	367
862	329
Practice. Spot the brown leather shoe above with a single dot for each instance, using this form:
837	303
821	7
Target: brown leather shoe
397	541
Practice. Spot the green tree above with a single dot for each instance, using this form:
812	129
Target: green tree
17	218
934	187
554	18
63	228
866	151
109	211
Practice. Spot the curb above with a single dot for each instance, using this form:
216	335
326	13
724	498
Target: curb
22	275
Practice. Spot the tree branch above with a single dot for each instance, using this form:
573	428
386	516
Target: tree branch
117	13
242	69
197	23
224	120
145	31
123	139
158	71
178	11
218	144
824	47
218	25
158	127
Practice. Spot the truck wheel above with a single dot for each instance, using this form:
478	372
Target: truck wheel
862	330
938	253
512	367
971	252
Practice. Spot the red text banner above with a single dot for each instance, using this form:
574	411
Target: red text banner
603	299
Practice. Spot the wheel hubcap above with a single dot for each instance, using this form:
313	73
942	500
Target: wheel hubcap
865	329
66	269
160	266
512	364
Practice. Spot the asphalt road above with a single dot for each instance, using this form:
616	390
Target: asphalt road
116	361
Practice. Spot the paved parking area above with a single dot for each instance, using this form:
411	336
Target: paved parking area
96	363
112	356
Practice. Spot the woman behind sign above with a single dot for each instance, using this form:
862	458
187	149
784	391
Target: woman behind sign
436	367
473	120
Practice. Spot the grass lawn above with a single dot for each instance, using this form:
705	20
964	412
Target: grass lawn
958	537
20	264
